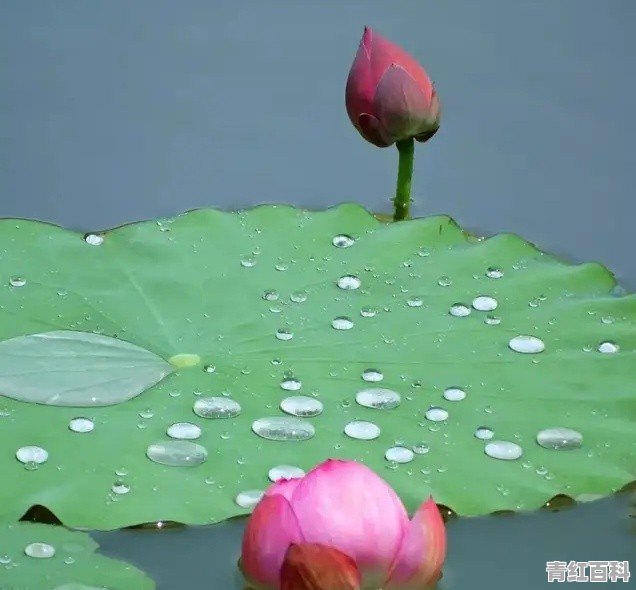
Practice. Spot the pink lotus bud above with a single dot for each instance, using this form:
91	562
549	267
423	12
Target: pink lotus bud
389	96
346	507
310	566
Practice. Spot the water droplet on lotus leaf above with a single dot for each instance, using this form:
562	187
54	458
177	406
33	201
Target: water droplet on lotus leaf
32	454
608	347
342	323
372	375
559	438
177	453
120	488
248	261
454	394
249	498
444	281
39	550
301	406
349	282
484	433
485	303
94	239
17	281
436	414
459	310
284	334
81	425
362	430
298	296
494	272
271	295
184	431
285	472
343	241
504	450
378	398
283	429
291	384
216	407
527	344
415	302
421	448
399	455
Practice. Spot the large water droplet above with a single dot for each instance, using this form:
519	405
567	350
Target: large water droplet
372	375
285	472
249	498
284	429
484	433
485	303
291	384
349	282
368	312
298	296
362	430
608	347
560	438
248	261
342	323
459	310
415	302
503	449
436	414
120	488
494	272
184	431
270	295
454	394
527	344
284	334
302	406
399	455
343	241
177	453
32	455
40	550
17	281
378	398
94	239
81	425
444	281
216	407
421	448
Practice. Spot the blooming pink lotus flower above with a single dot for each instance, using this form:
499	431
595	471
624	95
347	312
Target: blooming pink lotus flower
389	96
341	527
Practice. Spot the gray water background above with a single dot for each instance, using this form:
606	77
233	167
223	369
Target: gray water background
120	110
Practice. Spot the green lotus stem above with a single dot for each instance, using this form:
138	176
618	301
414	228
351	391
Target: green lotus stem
402	201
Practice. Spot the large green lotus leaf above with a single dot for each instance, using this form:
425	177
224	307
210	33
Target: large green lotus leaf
70	563
190	291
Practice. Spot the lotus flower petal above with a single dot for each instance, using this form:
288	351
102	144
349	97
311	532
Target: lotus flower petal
311	566
271	529
419	560
400	105
283	487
